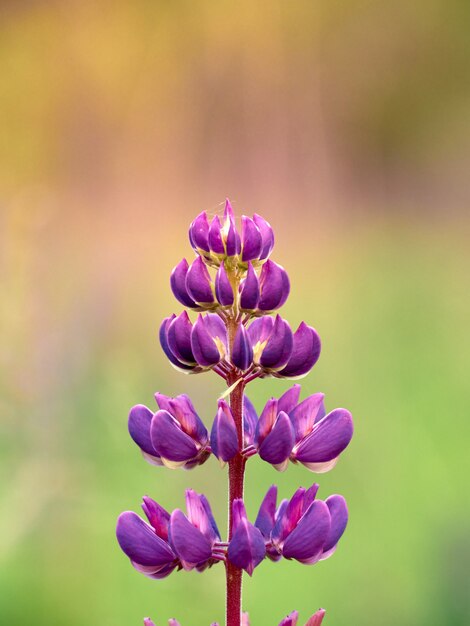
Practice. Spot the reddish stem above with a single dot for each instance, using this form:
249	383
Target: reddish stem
236	472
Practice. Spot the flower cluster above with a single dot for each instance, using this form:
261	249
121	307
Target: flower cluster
236	290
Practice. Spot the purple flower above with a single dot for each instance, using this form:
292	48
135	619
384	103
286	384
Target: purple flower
301	432
247	547
315	620
174	436
194	348
302	528
224	437
171	541
279	352
220	240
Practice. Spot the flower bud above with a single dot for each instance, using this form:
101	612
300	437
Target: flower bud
209	340
252	242
246	549
199	233
198	283
249	290
223	287
224	437
274	286
178	285
242	352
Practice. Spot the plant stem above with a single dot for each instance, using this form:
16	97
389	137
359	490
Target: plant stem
236	472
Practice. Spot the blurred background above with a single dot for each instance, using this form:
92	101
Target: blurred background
347	125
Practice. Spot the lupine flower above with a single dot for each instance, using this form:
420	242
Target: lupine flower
174	436
302	528
301	432
279	352
266	293
247	548
217	241
194	348
224	437
315	620
168	542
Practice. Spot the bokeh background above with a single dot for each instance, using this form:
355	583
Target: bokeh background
347	125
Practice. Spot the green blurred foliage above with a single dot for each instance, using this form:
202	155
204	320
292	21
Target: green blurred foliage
347	126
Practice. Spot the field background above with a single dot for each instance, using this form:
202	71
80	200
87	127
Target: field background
347	125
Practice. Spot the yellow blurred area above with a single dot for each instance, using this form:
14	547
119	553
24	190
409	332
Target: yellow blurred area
346	125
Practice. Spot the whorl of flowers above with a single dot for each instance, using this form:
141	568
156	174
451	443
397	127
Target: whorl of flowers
236	290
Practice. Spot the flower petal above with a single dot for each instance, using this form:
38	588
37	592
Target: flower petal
274	286
306	541
266	514
139	541
317	618
215	236
279	346
198	282
140	418
200	515
250	420
252	242
246	549
289	399
303	416
169	440
267	235
223	288
179	339
191	546
158	517
224	437
328	438
277	445
203	345
242	352
305	352
199	232
339	520
249	293
178	284
290	620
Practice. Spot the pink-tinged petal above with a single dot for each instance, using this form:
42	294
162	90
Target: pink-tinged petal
245	619
169	440
163	335
182	408
267	235
232	239
179	339
306	541
242	352
215	237
274	286
267	511
309	497
191	546
339	520
148	622
279	345
198	282
139	541
178	284
223	288
289	399
158	517
199	232
249	290
305	352
304	414
250	420
328	438
277	445
266	420
260	330
317	618
246	549
224	437
140	418
290	620
252	242
203	345
173	622
288	516
200	515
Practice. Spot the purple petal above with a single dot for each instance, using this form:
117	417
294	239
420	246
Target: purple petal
215	237
166	348
303	416
309	497
278	347
139	541
217	329
178	284
339	520
266	420
179	339
158	517
274	286
260	329
265	519
203	345
173	622
329	437
199	232
242	352
289	399
198	282
250	420
140	418
290	620
288	517
249	294
182	408
252	242
223	288
267	235
169	440
228	211
316	619
200	515
306	541
246	549
224	437
277	445
189	543
148	622
305	352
